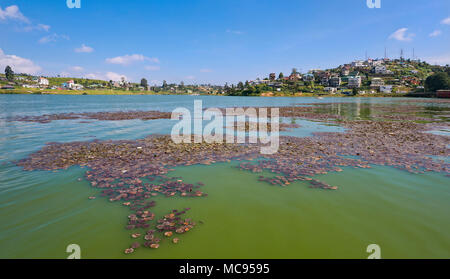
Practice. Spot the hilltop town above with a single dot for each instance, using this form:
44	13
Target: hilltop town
374	77
369	77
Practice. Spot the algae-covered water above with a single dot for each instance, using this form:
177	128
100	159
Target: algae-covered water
42	212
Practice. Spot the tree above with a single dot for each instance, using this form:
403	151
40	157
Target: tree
164	84
437	82
240	85
144	83
280	76
9	73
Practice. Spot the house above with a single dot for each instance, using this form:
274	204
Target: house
72	85
443	93
354	82
259	81
335	81
324	77
375	63
77	87
331	90
357	64
386	89
43	81
380	70
376	82
324	81
295	77
411	80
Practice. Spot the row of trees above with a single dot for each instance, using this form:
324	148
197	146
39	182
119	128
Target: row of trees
438	81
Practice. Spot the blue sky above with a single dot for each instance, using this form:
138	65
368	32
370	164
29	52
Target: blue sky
214	41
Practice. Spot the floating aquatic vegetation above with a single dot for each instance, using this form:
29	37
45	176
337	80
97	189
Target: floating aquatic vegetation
132	172
167	226
104	116
306	112
254	126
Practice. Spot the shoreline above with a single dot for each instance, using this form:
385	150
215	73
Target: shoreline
151	93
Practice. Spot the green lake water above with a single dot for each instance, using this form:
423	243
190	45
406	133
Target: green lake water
42	212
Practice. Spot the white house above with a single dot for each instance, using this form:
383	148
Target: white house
331	90
386	89
376	63
72	85
358	64
380	70
43	81
77	87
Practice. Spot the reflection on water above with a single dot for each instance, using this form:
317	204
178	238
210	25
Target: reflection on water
363	110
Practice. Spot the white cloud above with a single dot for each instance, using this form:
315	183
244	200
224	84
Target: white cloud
206	70
106	76
402	35
440	60
435	33
18	64
84	49
76	69
39	27
152	68
65	74
115	76
130	59
13	13
236	32
53	38
95	76
446	21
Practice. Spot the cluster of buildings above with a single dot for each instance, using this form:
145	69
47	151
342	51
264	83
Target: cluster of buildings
371	75
42	82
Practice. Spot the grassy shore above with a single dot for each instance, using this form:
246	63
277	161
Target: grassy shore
34	91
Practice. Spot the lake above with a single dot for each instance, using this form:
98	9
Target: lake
42	212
